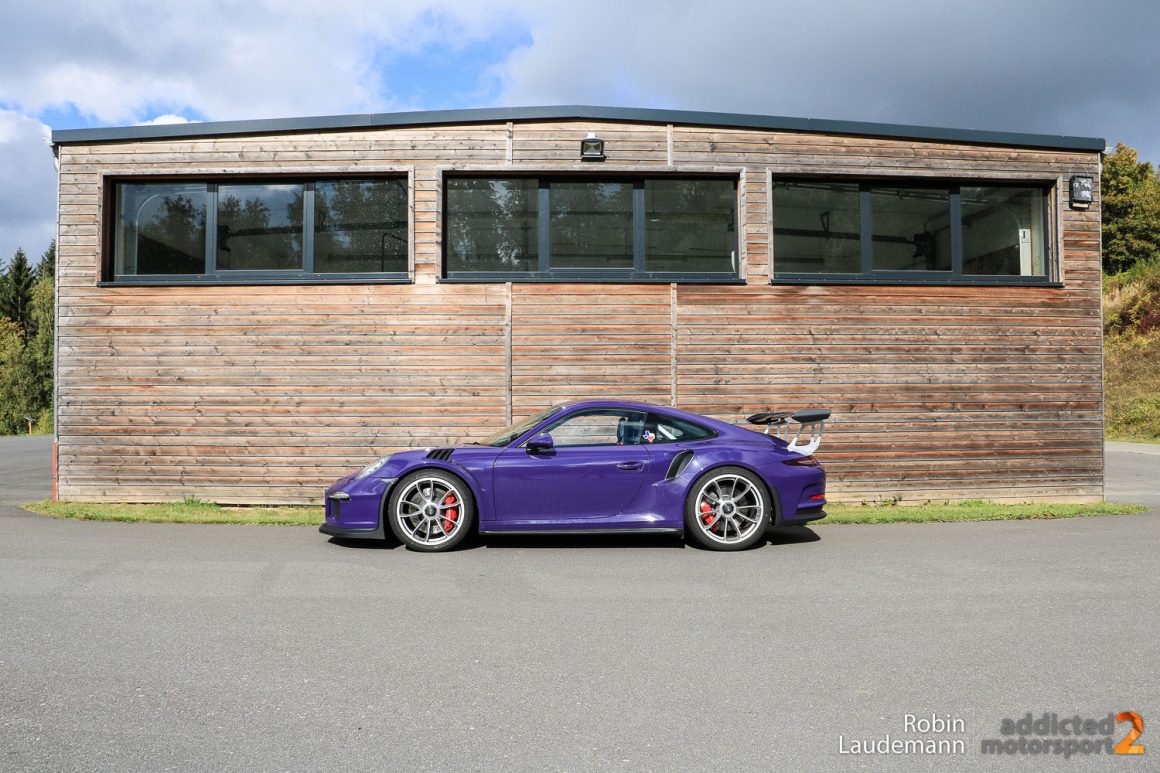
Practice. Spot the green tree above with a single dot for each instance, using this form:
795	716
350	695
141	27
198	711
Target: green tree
39	346
17	390
26	343
16	291
1131	210
47	265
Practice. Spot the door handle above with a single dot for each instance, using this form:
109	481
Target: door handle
631	466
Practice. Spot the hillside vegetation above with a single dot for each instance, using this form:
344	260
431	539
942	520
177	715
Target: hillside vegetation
1131	256
1132	353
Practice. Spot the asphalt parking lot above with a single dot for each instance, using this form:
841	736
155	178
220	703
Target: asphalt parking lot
173	647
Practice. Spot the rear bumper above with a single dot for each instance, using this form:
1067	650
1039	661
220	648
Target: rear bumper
803	517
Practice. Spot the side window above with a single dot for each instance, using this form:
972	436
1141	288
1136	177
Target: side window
599	427
669	429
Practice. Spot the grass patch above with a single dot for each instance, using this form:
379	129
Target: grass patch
186	511
973	510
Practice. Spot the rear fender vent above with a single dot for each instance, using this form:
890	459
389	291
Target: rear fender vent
678	465
442	454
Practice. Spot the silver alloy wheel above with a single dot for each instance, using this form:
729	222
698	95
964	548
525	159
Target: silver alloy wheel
730	508
430	511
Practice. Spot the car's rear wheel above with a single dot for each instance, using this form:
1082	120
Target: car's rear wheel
430	510
727	509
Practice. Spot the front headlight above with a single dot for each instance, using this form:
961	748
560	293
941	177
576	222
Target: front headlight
372	468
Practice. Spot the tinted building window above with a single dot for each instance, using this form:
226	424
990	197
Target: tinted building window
160	229
668	229
912	229
690	225
262	230
360	226
849	231
817	227
259	227
1003	231
591	225
491	224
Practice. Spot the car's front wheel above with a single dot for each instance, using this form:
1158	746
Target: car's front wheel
430	510
727	509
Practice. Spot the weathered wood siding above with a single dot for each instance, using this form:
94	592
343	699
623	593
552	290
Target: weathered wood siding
267	394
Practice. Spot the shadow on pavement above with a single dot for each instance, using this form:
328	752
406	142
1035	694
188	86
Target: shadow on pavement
790	535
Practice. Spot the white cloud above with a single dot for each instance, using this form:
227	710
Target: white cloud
134	61
168	119
27	186
118	62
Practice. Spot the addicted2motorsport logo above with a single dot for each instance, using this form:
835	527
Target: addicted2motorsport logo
1067	736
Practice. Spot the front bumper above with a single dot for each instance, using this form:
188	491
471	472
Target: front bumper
344	533
354	508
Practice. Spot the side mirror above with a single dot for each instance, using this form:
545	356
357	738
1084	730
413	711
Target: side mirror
540	442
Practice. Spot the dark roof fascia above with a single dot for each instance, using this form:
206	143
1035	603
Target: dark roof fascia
574	112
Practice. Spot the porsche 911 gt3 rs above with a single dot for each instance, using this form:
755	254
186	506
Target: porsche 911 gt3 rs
595	466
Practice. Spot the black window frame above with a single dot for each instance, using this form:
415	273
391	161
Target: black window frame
638	274
214	276
867	275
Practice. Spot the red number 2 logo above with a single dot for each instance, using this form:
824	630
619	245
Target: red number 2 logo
1128	745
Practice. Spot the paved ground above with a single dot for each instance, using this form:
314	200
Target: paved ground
159	647
1132	473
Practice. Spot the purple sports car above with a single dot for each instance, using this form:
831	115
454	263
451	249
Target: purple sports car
595	466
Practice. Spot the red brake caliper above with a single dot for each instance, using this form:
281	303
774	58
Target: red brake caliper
707	513
451	514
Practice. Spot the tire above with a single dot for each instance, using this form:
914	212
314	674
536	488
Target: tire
430	511
728	508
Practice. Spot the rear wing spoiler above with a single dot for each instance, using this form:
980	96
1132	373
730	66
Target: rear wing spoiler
805	438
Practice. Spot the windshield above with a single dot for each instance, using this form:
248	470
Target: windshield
505	436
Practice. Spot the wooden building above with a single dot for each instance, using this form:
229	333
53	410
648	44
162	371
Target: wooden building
248	310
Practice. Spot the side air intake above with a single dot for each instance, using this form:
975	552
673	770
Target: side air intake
678	465
442	454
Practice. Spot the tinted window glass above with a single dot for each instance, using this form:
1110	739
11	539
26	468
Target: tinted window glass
591	225
601	427
259	227
820	227
690	225
1003	230
161	229
816	227
912	229
669	429
360	226
614	228
491	225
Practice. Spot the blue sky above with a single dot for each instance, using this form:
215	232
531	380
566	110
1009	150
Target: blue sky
1047	66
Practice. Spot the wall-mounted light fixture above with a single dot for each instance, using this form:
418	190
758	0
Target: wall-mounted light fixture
1081	191
591	148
